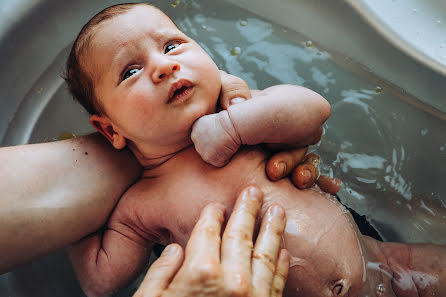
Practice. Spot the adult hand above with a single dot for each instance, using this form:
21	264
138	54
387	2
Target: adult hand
288	159
304	170
224	266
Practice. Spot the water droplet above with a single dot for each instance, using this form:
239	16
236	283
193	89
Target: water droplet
175	3
309	43
66	135
243	23
380	290
235	51
204	27
378	89
438	22
39	90
414	10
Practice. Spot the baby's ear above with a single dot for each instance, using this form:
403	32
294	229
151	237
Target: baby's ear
340	288
105	127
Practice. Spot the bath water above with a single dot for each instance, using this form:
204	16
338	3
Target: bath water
388	148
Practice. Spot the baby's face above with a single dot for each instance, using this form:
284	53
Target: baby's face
151	80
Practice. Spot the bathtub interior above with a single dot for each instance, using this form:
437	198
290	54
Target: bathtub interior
386	145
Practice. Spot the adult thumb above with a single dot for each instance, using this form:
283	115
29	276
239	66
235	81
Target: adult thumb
161	272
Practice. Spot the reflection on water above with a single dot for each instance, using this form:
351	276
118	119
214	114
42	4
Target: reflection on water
389	154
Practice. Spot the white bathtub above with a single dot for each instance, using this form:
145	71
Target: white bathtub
386	139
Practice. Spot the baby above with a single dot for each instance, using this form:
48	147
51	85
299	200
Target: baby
153	89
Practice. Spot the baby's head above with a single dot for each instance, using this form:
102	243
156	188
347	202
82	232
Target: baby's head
143	81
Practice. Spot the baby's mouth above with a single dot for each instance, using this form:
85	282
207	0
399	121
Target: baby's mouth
179	91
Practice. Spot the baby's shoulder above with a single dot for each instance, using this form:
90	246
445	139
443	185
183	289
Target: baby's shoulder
139	210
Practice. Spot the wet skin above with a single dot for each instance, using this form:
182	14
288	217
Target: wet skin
143	110
328	255
166	204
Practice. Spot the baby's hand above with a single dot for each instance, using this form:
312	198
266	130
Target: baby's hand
215	138
233	90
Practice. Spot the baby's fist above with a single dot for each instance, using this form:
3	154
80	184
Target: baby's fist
215	138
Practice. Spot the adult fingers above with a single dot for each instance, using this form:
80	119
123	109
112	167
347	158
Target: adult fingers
306	174
161	272
328	184
281	274
266	250
282	163
237	239
204	243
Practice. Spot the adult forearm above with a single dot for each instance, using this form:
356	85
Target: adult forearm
418	269
55	193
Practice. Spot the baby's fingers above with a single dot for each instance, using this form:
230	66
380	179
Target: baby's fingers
161	272
282	163
233	90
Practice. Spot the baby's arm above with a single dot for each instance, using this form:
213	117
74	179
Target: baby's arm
279	114
110	259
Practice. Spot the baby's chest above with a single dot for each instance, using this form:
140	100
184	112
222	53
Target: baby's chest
194	184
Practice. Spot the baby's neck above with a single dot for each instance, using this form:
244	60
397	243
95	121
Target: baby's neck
149	160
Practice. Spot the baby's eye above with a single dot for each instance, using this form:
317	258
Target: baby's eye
172	46
129	73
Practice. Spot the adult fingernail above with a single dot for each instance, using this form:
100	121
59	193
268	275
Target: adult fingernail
254	192
237	100
170	250
281	168
276	211
307	176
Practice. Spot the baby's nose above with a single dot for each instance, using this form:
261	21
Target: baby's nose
164	70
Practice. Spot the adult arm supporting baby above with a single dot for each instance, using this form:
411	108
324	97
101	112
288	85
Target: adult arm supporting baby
55	193
279	114
414	269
